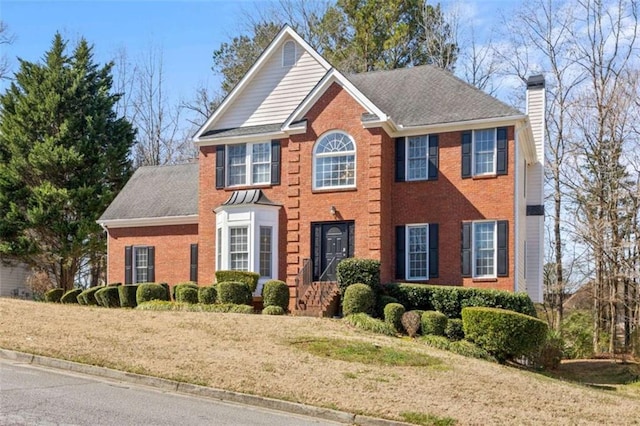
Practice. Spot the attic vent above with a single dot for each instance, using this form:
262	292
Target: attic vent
289	54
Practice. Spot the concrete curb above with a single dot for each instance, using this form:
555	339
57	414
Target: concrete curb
200	391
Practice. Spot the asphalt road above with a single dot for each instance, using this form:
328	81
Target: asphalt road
32	395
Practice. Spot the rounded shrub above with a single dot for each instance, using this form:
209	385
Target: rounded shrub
393	315
89	296
358	271
150	291
358	298
453	330
504	334
187	294
235	292
251	278
381	302
433	322
273	310
174	289
411	322
71	296
127	295
207	295
53	295
108	297
276	293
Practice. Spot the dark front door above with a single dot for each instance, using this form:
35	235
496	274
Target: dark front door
332	242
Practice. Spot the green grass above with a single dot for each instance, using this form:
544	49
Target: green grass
365	322
460	347
426	419
365	353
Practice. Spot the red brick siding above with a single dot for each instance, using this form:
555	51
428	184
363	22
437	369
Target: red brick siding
172	250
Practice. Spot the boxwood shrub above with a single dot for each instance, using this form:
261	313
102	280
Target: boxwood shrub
358	298
235	292
451	299
507	335
433	322
187	294
54	295
174	289
273	310
150	291
454	330
358	271
393	315
381	302
71	296
207	295
108	297
127	295
251	278
88	297
276	293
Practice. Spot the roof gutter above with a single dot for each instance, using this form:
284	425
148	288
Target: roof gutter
149	221
456	125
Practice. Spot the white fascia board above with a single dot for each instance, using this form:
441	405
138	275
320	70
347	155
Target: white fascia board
149	221
255	68
248	207
457	126
261	137
334	76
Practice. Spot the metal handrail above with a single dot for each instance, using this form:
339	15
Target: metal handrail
333	259
303	280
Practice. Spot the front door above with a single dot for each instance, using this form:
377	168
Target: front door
332	242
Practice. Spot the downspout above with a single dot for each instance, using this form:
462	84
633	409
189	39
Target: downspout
106	230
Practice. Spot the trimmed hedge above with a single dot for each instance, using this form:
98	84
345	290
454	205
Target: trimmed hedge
454	330
273	310
88	297
358	271
451	299
358	298
54	295
382	302
187	294
165	305
235	292
433	322
71	296
150	291
207	295
505	334
127	295
108	297
251	278
460	347
276	293
393	315
174	289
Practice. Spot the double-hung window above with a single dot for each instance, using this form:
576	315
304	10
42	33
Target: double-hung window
239	248
334	161
417	251
485	248
139	264
484	152
417	150
249	164
417	158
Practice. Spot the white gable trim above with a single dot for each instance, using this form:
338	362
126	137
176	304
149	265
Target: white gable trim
149	221
333	76
285	32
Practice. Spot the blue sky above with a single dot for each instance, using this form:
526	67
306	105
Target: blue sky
187	31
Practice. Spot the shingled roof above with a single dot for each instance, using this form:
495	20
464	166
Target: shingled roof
157	191
425	95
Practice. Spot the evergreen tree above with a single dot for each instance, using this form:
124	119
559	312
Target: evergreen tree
64	154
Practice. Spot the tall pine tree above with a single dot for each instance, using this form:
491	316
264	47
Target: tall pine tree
64	154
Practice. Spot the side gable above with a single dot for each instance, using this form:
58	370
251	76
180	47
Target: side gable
272	89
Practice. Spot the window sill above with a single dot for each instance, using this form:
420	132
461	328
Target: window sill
482	177
485	280
323	190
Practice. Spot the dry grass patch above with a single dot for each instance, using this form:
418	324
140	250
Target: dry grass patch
254	354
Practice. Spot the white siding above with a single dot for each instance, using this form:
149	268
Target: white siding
535	256
13	280
275	91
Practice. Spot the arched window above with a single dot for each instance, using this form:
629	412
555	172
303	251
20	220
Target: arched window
334	161
289	54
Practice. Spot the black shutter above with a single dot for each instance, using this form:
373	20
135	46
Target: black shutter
433	250
128	272
466	248
151	270
466	154
400	159
401	253
433	157
275	162
220	167
316	252
193	271
501	151
503	248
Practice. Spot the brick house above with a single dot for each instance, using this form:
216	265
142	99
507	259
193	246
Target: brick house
302	166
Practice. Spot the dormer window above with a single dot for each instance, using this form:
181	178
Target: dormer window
289	54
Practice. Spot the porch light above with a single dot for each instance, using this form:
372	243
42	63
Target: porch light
332	211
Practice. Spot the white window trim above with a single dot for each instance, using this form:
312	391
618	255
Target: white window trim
495	152
406	159
407	260
495	249
134	265
248	164
334	154
259	242
228	244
